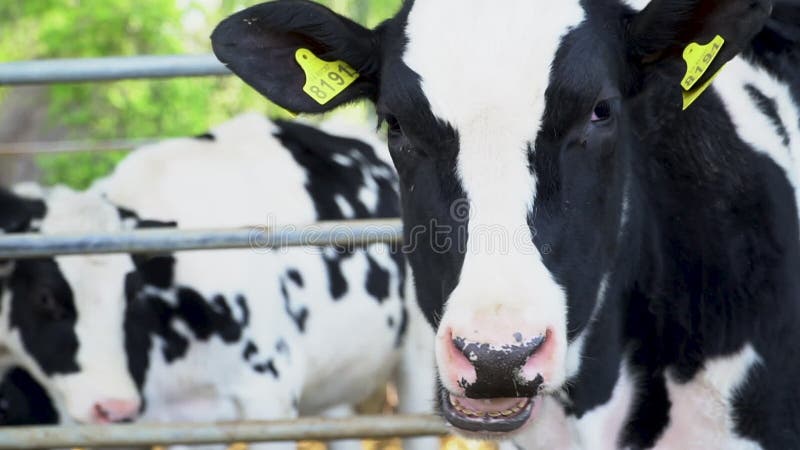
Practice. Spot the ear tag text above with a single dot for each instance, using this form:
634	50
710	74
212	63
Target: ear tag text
698	59
324	80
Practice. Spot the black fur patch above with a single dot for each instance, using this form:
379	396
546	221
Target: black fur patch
249	350
377	280
206	137
337	283
267	367
770	109
43	311
298	315
24	402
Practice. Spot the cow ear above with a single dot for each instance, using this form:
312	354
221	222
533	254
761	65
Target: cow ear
260	44
17	213
690	40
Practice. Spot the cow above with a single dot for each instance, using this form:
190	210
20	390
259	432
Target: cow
257	333
605	241
61	318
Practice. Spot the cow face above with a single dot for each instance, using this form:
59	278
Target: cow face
62	317
515	129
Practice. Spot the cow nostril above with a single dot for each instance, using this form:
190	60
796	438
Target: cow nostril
115	411
475	352
101	413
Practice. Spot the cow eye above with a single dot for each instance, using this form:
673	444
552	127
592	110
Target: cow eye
601	112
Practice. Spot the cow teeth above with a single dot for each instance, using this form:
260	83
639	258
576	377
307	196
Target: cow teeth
507	412
495	414
522	404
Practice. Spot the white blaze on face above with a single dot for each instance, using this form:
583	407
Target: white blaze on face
485	66
97	284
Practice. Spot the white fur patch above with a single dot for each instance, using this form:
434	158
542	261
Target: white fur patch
701	413
486	76
601	428
174	179
753	126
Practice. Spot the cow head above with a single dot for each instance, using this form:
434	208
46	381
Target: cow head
62	317
515	127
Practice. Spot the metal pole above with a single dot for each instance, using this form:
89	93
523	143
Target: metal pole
112	68
369	427
34	245
38	148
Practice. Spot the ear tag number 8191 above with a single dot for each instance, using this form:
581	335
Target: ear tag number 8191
698	59
324	80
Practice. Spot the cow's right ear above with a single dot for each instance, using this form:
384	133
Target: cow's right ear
697	37
260	44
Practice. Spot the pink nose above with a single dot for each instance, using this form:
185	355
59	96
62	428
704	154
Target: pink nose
115	410
510	368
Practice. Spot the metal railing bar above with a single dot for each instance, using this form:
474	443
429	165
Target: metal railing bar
44	147
346	233
47	71
367	427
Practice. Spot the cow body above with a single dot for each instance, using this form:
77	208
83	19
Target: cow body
646	295
258	333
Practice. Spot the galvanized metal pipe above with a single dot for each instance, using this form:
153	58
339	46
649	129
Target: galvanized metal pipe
113	68
34	245
369	427
42	147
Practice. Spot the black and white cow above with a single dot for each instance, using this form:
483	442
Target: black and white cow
259	334
603	268
61	319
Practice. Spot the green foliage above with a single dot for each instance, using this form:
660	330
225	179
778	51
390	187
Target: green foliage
34	29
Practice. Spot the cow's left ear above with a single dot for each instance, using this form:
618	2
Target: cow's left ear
265	44
693	39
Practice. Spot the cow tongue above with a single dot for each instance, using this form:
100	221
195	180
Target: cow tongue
495	407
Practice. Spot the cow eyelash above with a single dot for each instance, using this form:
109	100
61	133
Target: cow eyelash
601	111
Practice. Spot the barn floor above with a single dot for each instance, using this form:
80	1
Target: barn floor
448	443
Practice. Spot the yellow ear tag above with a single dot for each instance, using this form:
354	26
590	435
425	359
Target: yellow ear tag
324	80
698	58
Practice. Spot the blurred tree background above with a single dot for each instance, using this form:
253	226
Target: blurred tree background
37	29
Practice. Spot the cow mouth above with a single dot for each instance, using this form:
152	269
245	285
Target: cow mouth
497	415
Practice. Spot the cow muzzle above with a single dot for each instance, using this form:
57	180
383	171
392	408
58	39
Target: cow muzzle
491	384
114	411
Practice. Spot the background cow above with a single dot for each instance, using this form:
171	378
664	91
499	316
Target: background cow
61	319
257	334
648	292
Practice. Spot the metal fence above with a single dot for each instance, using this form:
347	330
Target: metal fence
371	427
323	234
107	69
14	246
